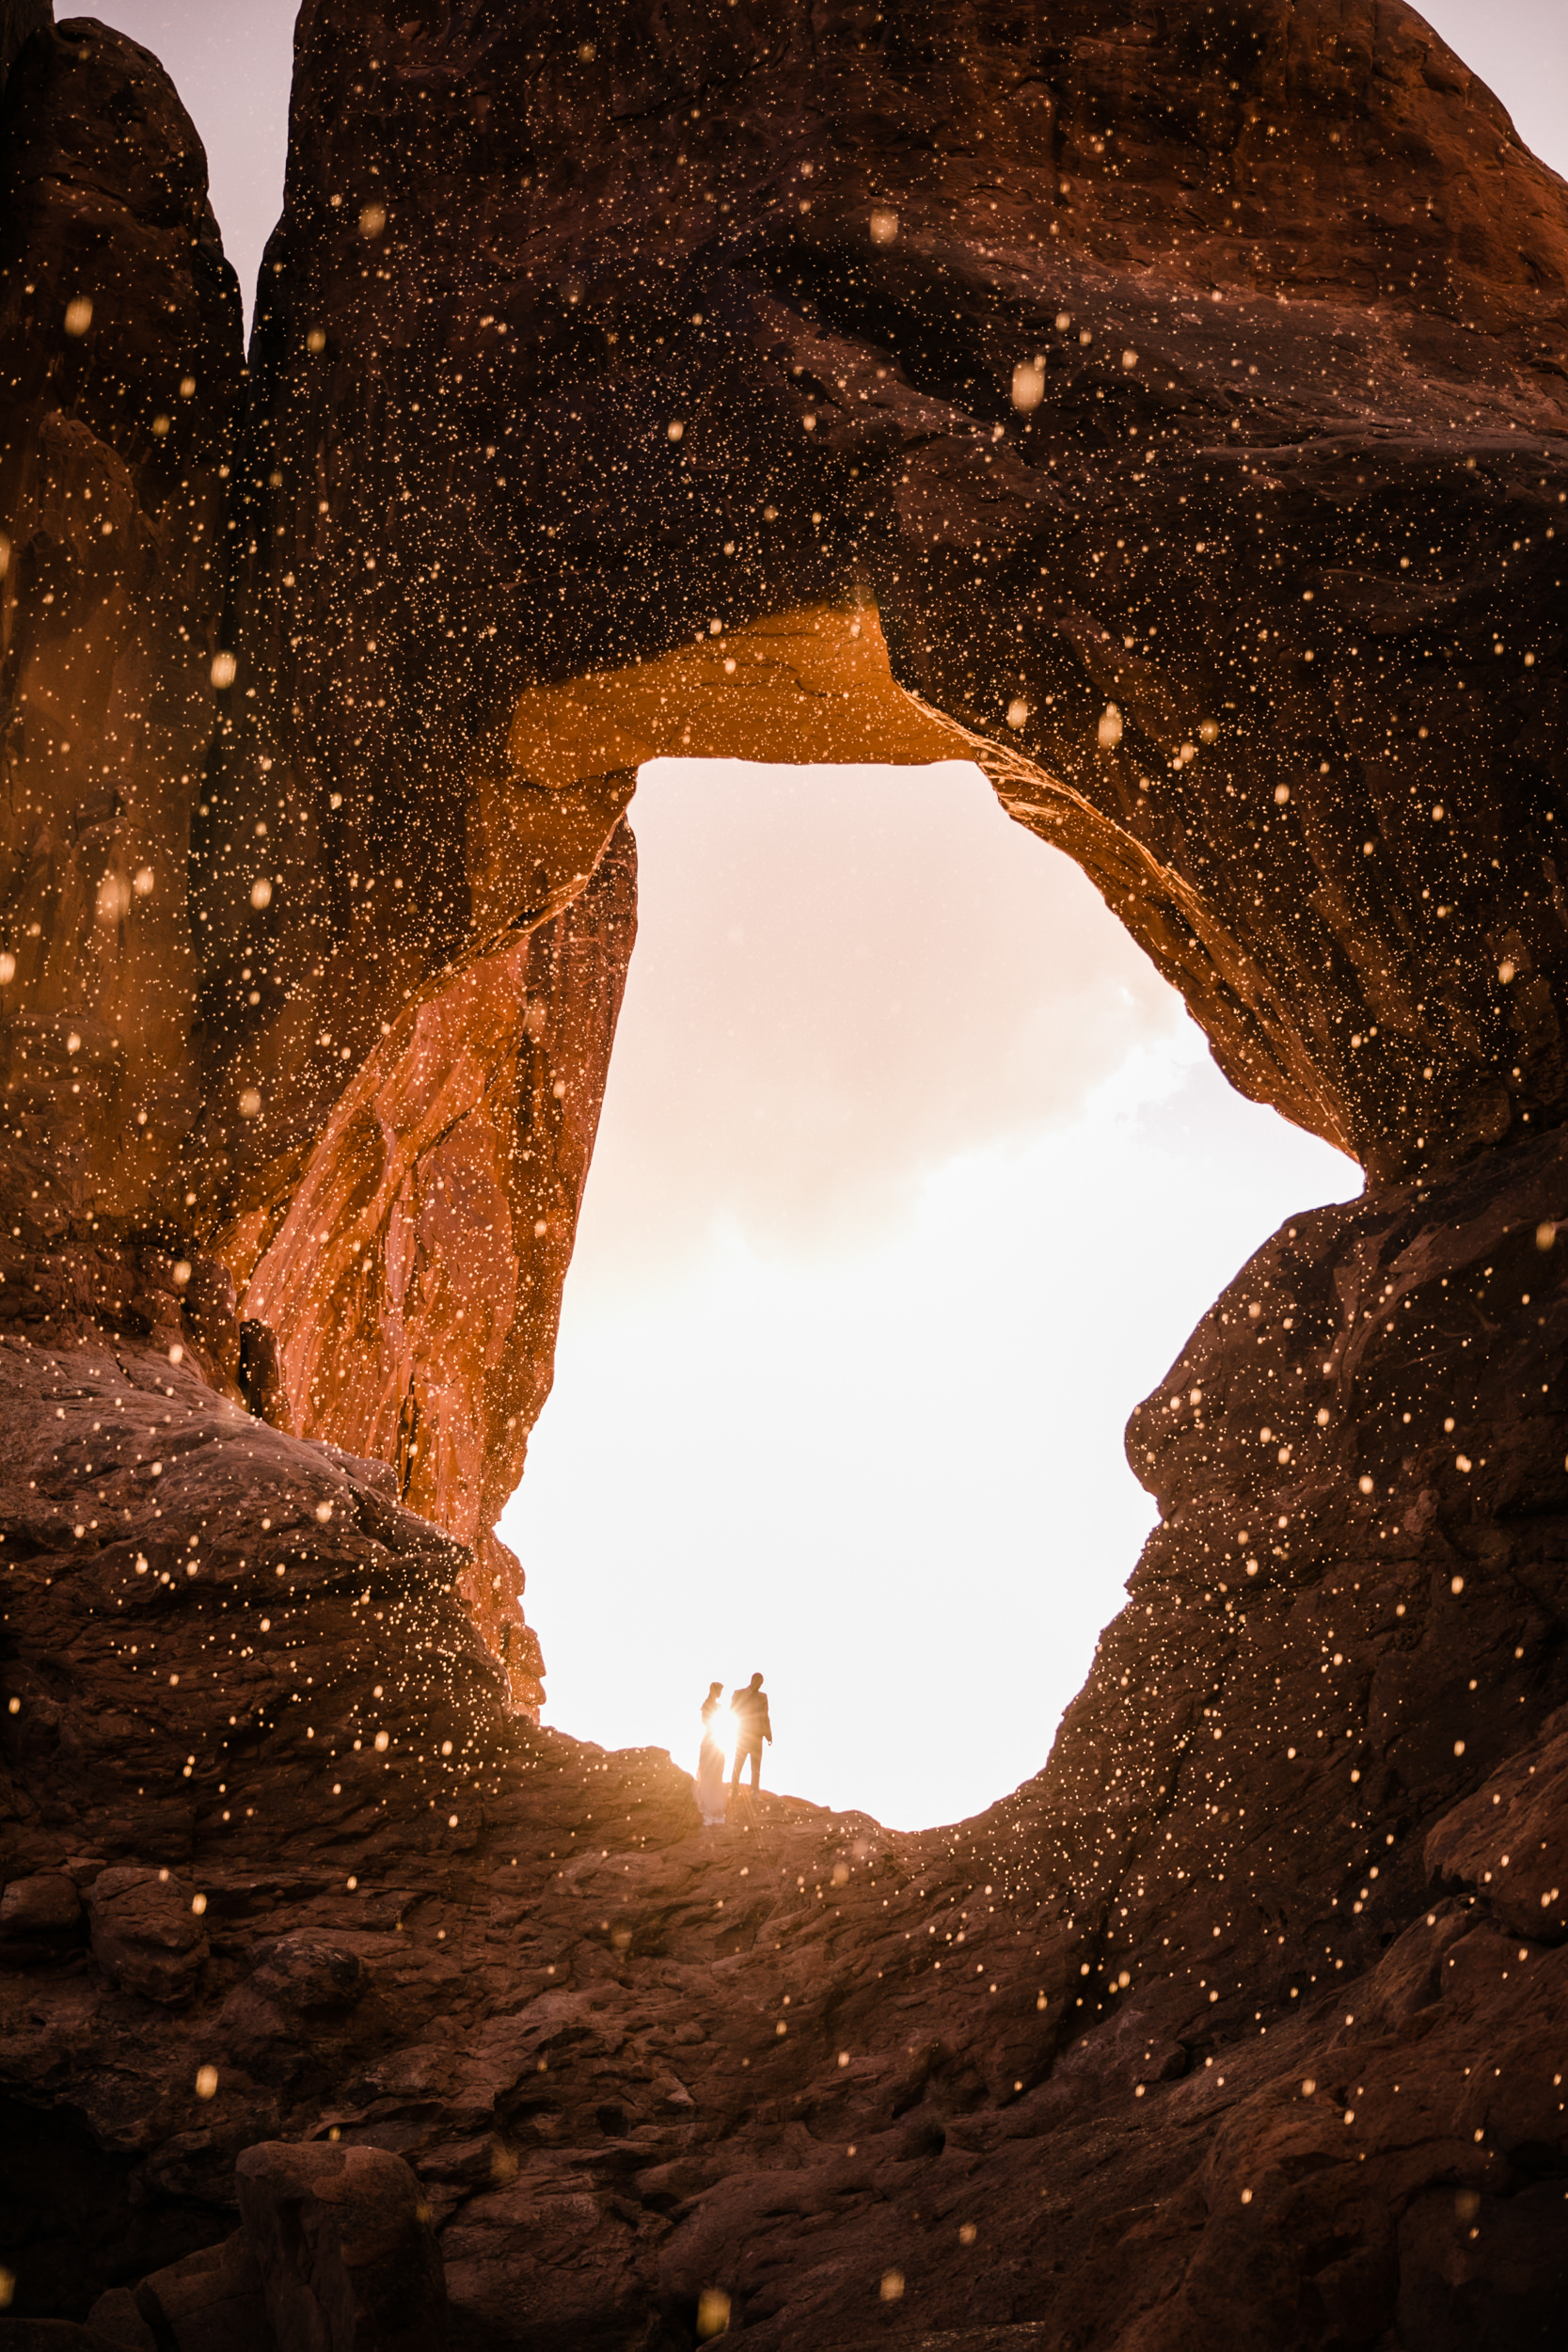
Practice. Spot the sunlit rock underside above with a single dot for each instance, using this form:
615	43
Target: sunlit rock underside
1166	410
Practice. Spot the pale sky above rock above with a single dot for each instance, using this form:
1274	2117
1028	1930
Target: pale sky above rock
913	1177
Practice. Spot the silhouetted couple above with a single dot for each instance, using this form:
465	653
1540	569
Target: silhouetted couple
749	1709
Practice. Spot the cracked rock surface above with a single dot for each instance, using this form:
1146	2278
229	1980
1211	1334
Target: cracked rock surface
1247	2012
1167	412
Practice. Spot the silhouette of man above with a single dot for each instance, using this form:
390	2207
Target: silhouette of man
752	1727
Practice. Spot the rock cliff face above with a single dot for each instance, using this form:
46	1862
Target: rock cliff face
1170	413
120	379
1188	397
415	1281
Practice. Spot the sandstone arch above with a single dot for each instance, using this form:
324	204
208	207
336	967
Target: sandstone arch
1320	408
951	330
381	1345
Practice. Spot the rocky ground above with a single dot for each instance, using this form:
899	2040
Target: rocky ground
1246	2018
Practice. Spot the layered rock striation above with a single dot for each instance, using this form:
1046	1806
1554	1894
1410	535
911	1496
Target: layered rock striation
1168	414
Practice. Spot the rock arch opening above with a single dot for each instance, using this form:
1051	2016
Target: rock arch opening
411	1263
911	1178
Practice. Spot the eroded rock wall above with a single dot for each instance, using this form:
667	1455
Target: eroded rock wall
1242	2022
119	381
1177	407
414	1282
136	948
1353	1602
1187	393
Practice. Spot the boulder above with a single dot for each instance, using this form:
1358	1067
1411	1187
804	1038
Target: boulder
211	2301
117	2316
45	1904
306	1972
145	1935
343	2236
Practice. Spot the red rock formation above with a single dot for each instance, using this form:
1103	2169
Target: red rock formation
1220	2023
1254	545
119	376
1209	576
1241	2022
415	1281
121	321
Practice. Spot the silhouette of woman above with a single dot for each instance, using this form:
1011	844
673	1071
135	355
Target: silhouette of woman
710	1764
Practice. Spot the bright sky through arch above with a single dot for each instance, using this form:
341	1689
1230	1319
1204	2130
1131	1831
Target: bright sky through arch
912	1178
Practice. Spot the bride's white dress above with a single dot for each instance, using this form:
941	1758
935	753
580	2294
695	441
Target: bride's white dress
710	1774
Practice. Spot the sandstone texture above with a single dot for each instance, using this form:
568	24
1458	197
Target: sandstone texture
1190	386
414	1283
144	1938
119	382
1164	408
342	2241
